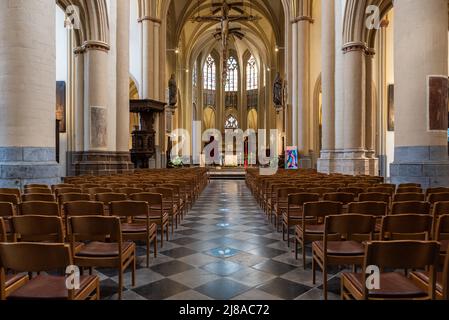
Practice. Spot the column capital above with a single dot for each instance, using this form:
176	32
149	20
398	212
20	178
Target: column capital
354	46
302	18
79	51
370	52
95	45
149	18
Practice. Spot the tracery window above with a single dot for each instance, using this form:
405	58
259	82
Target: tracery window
232	80
252	74
210	74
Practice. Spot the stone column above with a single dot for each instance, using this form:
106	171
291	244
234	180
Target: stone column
370	115
148	45
302	89
328	85
79	99
122	137
421	70
27	91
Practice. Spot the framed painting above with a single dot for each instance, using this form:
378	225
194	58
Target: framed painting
291	158
391	107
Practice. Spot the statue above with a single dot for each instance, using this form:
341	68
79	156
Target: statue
278	91
173	91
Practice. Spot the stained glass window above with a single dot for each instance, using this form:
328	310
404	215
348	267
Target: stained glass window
210	74
252	74
232	81
231	123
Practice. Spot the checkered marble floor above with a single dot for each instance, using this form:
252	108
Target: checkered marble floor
225	249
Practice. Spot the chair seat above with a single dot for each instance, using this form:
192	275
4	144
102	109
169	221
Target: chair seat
138	228
102	249
393	286
48	288
424	277
342	248
311	228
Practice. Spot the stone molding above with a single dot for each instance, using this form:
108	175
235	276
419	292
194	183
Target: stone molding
149	18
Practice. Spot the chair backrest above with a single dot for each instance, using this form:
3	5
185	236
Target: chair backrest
342	197
409	190
321	209
321	191
38	197
438	197
407	185
33	186
87	228
7	209
98	190
88	186
116	186
349	225
410	207
406	227
403	255
2	230
61	191
442	228
375	196
370	208
13	191
387	190
354	190
61	185
39	208
35	257
38	190
129	191
363	186
285	192
129	209
298	199
70	197
83	208
107	198
403	197
430	191
11	198
38	228
167	194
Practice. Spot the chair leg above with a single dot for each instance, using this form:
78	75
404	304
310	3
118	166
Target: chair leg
120	283
288	235
162	235
155	246
313	271
134	269
148	252
303	248
296	248
167	231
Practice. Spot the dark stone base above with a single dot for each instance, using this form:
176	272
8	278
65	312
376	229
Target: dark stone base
98	163
20	166
427	165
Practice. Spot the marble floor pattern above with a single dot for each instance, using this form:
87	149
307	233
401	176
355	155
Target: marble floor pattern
224	250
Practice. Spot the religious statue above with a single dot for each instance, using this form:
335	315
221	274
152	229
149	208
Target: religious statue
278	89
173	91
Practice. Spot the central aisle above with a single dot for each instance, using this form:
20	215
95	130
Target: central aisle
225	249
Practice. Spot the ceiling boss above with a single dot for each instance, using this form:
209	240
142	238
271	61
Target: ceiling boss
225	19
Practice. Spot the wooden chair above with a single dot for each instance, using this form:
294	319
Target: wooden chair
404	197
107	198
129	191
61	185
345	251
38	191
169	206
2	230
61	191
321	191
71	197
7	211
116	186
157	213
135	230
105	247
410	207
438	197
429	191
293	216
13	191
393	285
370	208
50	229
409	190
177	198
38	197
375	196
422	280
442	234
406	227
32	186
353	190
439	209
407	185
11	198
39	208
37	257
95	191
312	224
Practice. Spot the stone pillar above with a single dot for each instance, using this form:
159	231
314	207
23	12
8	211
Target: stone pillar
123	9
148	45
302	89
79	99
352	159
28	94
328	86
370	115
421	70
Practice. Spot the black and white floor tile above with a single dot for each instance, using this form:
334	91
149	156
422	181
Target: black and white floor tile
225	249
